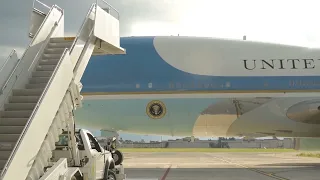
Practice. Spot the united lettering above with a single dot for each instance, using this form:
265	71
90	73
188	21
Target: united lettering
279	64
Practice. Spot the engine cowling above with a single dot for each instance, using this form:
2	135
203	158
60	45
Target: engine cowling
305	112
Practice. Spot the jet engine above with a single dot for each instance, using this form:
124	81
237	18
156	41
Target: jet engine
305	112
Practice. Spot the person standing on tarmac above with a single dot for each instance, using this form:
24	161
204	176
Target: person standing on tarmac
114	142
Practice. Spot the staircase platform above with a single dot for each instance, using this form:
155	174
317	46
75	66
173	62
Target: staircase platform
101	47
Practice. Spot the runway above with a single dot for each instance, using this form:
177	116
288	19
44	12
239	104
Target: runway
220	166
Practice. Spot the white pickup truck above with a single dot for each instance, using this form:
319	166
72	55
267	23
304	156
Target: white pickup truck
83	151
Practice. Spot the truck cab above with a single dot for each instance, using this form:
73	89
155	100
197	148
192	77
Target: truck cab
92	159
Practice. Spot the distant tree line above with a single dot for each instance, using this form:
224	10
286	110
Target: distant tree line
221	144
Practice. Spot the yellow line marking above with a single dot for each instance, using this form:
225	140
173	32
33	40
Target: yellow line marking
69	38
271	175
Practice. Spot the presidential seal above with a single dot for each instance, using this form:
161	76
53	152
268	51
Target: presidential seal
156	109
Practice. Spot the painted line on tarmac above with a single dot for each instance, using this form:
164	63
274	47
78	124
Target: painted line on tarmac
139	179
166	173
271	175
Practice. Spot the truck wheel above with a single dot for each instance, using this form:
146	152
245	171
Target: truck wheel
117	157
111	175
108	174
77	176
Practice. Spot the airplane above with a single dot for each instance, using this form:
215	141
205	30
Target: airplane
203	87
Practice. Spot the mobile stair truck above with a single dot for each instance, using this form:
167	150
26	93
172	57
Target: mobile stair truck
40	91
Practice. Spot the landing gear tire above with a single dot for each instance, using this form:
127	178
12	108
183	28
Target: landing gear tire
117	157
111	175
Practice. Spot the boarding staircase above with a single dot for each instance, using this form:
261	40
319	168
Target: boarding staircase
41	90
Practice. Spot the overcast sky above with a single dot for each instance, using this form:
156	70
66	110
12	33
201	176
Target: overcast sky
285	21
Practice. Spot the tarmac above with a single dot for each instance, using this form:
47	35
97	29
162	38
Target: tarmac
220	166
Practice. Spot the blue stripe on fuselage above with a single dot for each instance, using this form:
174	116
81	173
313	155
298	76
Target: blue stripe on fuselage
142	65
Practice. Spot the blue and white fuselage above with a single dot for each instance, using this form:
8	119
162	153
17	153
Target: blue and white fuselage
186	86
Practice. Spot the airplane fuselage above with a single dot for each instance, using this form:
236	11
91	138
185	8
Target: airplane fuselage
184	86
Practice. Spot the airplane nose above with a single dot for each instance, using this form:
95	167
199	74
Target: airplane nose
305	112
